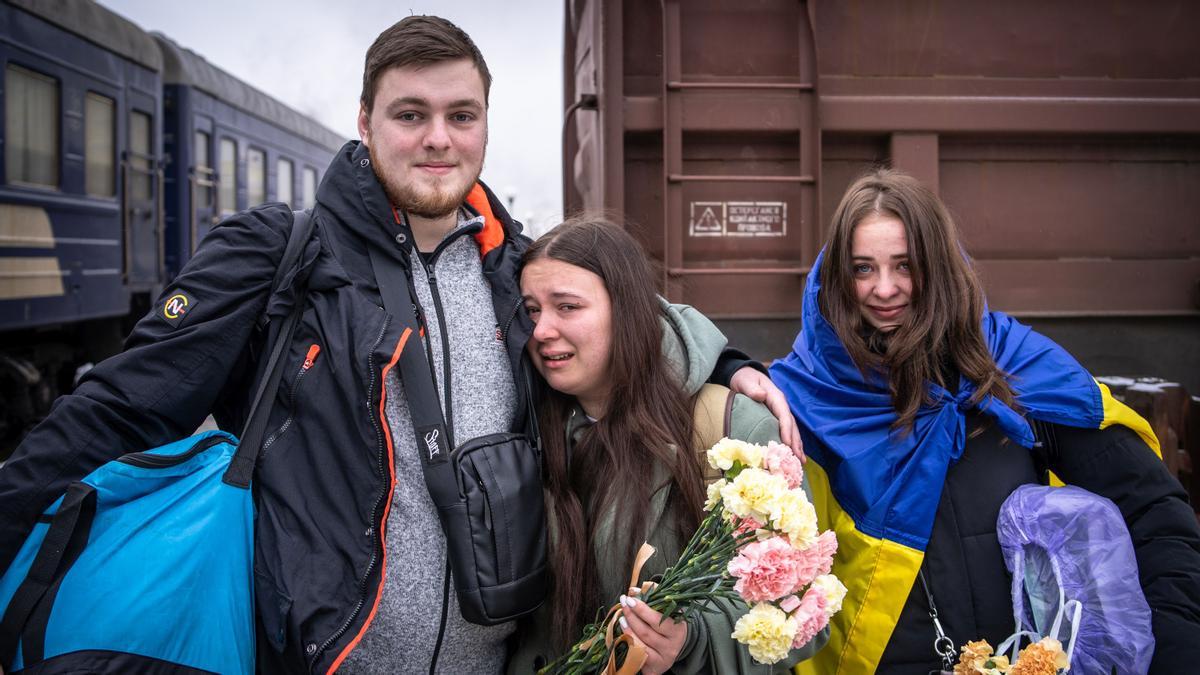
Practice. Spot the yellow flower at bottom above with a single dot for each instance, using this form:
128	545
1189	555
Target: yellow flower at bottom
767	632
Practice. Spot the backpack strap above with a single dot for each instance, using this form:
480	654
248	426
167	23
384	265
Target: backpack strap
64	541
713	418
241	467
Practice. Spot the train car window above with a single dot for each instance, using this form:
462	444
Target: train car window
31	127
309	195
227	193
283	181
141	159
256	177
100	143
204	171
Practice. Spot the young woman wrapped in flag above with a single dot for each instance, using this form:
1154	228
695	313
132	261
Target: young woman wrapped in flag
921	411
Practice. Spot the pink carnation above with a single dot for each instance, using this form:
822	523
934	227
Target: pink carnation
779	460
745	525
810	617
766	570
789	604
817	559
826	547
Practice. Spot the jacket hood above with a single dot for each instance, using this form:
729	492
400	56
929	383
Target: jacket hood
691	344
351	193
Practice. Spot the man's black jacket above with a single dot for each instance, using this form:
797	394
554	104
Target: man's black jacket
325	475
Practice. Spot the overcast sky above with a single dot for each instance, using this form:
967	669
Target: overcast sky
309	54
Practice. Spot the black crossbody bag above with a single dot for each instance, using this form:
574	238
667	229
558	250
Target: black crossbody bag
488	490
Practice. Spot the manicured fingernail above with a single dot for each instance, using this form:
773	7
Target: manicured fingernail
633	602
624	623
624	601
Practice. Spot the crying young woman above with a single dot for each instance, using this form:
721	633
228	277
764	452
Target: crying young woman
624	464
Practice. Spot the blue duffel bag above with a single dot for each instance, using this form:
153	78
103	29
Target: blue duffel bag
146	565
153	544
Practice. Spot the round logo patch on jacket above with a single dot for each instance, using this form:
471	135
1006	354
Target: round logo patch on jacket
176	307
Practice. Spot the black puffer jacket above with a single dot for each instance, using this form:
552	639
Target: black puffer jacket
965	568
325	475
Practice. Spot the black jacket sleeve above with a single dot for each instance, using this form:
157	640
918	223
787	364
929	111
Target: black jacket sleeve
161	387
1116	464
731	361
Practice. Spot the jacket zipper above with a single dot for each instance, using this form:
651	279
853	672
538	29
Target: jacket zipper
511	317
376	534
379	437
524	385
309	359
147	460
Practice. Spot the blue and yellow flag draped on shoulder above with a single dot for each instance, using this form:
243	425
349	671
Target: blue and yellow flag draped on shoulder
879	489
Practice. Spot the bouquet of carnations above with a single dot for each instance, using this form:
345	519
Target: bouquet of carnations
758	544
1044	657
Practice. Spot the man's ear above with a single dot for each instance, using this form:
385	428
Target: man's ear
364	125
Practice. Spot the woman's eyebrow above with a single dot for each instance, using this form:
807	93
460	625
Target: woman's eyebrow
556	295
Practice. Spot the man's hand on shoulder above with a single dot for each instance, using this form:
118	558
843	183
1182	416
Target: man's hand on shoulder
757	386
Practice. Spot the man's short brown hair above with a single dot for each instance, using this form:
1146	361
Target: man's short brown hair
419	41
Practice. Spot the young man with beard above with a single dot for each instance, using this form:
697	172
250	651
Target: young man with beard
350	558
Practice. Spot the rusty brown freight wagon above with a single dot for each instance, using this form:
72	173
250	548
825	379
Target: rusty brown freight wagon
1064	136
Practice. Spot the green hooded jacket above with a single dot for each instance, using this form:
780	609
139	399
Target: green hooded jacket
692	344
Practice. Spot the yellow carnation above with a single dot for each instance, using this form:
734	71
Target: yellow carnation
767	632
727	451
834	591
792	514
751	494
714	494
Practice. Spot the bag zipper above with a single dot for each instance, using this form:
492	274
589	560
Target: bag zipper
309	360
148	460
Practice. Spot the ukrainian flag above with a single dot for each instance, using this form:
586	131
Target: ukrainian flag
878	490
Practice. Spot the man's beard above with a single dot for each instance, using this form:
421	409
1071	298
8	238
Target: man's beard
439	201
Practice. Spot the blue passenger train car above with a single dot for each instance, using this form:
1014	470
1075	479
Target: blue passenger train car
231	147
120	150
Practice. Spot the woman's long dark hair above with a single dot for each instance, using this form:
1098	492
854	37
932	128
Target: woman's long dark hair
942	326
647	417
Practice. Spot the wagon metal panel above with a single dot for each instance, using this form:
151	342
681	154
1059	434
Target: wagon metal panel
1064	137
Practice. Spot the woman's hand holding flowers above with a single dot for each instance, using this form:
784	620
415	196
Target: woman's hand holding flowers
663	637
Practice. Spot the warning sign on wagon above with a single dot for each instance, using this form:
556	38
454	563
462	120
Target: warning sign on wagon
738	219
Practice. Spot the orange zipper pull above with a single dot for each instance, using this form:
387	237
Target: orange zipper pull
312	356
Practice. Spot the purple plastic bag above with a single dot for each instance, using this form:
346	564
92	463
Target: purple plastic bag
1065	545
